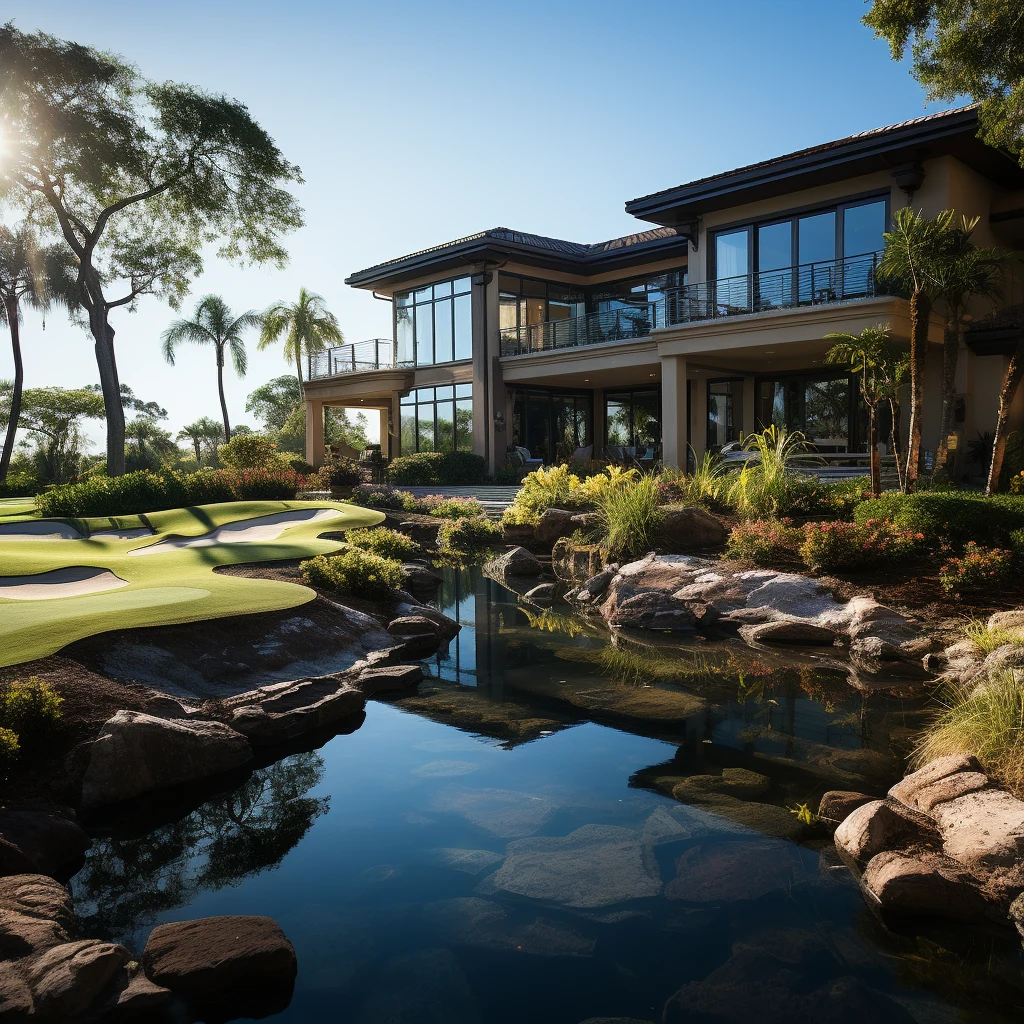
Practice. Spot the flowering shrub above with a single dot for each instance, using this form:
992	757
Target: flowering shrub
376	496
831	546
762	541
354	572
30	708
975	568
9	749
448	508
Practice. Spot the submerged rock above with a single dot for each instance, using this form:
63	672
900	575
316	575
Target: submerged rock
733	871
515	562
501	812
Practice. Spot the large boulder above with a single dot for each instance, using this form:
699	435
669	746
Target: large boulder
51	841
445	627
136	753
837	805
870	829
223	965
515	562
387	678
69	979
554	524
285	711
687	527
35	915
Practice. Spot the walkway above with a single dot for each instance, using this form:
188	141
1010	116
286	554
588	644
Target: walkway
495	498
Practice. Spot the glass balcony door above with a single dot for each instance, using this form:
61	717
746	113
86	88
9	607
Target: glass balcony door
732	269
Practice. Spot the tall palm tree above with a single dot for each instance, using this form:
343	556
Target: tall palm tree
213	324
204	429
908	262
37	276
963	270
307	325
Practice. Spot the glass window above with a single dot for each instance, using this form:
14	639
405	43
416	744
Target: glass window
432	421
464	326
403	299
408	427
463	390
720	414
445	426
463	284
443	331
424	294
425	335
404	335
442	289
731	254
863	227
817	238
774	263
444	391
827	413
633	418
464	424
438	325
425	427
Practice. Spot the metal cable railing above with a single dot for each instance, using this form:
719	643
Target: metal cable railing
375	354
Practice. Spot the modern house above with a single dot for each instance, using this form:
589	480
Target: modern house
707	323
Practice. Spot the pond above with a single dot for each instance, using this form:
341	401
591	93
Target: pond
504	845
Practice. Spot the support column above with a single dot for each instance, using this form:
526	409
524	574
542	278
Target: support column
698	413
385	435
675	412
314	433
599	424
748	425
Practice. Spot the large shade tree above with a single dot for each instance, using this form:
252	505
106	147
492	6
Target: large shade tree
963	48
137	177
306	327
214	324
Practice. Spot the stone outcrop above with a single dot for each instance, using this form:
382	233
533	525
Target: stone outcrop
513	563
53	843
137	753
388	678
35	915
576	563
554	524
688	528
285	711
70	978
837	805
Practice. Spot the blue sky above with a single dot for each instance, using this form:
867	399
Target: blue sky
417	123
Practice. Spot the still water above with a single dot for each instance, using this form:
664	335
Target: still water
504	846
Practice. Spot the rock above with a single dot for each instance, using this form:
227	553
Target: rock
14	861
53	842
870	829
446	628
35	915
469	862
554	524
244	965
789	631
736	782
384	678
1017	914
907	790
415	648
925	886
982	829
733	871
838	804
516	562
575	562
415	625
16	1002
506	813
687	527
543	594
423	530
419	579
1013	619
650	610
136	753
594	587
285	711
70	978
141	996
595	866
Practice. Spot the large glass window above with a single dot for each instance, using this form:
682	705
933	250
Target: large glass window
721	426
434	324
438	419
633	418
552	424
818	406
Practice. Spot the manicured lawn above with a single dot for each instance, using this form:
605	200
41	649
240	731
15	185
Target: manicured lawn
172	585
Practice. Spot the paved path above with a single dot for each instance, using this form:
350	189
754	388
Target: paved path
495	498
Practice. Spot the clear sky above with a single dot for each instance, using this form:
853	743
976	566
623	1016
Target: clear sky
417	123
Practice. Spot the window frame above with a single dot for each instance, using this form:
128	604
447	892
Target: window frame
407	300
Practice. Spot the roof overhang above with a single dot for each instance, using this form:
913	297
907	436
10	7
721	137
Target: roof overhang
993	343
953	134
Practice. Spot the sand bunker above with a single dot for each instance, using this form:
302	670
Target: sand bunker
41	529
247	531
72	581
128	534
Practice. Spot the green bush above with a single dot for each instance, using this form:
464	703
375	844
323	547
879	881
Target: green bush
343	472
31	709
449	508
384	542
809	496
979	567
467	535
19	485
9	749
763	541
249	451
630	517
427	468
952	516
376	496
356	572
851	546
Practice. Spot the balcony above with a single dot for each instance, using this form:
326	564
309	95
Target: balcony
810	284
375	354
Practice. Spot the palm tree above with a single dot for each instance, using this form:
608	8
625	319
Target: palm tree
911	250
308	326
204	429
212	324
963	271
37	276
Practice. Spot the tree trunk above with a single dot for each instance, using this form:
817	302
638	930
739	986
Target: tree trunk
894	437
103	334
220	391
875	462
298	370
11	307
920	308
195	444
950	355
1014	372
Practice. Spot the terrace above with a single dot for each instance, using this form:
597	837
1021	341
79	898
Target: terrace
374	354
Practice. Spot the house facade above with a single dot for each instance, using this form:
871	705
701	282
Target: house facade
708	322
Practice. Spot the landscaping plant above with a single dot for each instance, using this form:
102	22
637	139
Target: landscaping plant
384	542
249	451
977	568
378	496
9	749
832	546
31	709
356	572
449	508
630	517
704	485
763	487
763	541
443	468
468	535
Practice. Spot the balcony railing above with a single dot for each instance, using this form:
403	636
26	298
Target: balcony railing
375	354
810	284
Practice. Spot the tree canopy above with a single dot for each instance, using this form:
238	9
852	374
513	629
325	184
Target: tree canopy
963	48
275	401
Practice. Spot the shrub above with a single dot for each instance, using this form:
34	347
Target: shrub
978	567
766	483
31	709
467	535
249	451
704	486
19	485
384	542
354	571
376	496
449	508
851	546
763	541
809	496
557	487
426	468
9	748
263	484
953	516
342	473
630	517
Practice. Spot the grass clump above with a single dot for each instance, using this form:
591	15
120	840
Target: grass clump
705	485
468	535
986	721
383	541
354	571
31	709
630	517
764	487
988	639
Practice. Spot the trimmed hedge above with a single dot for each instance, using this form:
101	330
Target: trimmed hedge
954	516
135	493
426	468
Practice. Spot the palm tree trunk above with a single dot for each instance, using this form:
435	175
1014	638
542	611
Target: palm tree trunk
11	308
920	308
220	391
195	444
103	334
298	368
950	355
1014	372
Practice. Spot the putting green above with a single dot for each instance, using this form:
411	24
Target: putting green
174	583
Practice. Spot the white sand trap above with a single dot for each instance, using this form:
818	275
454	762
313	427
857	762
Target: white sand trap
42	529
129	534
247	531
72	581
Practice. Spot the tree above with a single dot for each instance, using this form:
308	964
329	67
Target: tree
911	250
204	432
148	445
37	276
307	325
961	272
275	401
213	324
137	177
963	48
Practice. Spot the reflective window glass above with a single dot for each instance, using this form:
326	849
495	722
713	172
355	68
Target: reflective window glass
463	327
463	284
425	335
863	227
817	238
442	289
445	391
424	294
731	253
464	424
443	331
463	390
404	335
445	426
